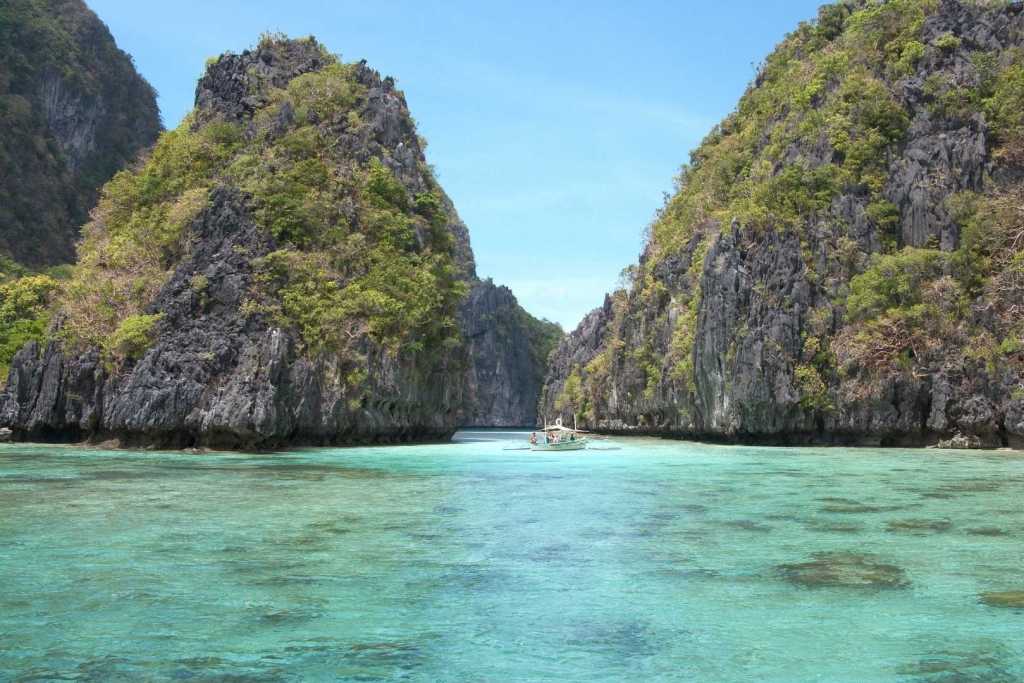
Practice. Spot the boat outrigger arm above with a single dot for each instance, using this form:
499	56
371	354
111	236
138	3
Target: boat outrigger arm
558	437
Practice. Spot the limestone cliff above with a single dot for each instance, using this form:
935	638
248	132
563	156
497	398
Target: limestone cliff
73	111
843	259
508	351
282	269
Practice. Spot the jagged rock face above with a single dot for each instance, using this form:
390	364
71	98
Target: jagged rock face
218	378
508	351
73	111
747	320
240	353
727	397
235	86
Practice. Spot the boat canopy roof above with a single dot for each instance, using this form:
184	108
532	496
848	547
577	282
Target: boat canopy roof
559	427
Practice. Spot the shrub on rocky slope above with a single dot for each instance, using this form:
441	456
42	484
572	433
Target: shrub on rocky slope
843	257
282	268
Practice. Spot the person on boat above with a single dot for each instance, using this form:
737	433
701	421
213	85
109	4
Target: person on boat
533	438
572	437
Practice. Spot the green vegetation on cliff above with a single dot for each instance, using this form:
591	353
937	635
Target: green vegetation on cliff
281	268
357	253
909	260
827	84
72	112
26	306
542	335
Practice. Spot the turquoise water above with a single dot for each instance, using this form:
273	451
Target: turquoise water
466	562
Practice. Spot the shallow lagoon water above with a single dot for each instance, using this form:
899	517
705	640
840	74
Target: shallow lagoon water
659	561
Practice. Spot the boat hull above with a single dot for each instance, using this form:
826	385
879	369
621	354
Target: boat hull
577	445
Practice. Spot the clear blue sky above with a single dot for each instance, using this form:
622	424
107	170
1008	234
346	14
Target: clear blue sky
554	127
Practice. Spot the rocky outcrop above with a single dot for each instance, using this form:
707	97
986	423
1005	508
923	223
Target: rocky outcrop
218	378
236	352
73	111
508	351
792	292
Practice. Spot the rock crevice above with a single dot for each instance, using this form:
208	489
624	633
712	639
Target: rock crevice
778	313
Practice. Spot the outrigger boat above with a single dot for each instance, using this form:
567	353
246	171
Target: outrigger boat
558	438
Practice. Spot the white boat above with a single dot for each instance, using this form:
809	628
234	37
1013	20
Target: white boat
558	438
